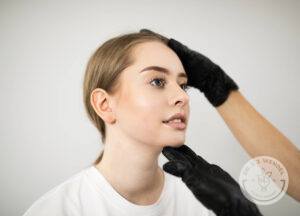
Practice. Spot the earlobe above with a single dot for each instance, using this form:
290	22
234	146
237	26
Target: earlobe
100	101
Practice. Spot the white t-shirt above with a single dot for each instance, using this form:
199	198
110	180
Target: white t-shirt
89	193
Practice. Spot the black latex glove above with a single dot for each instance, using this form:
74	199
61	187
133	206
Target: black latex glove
210	184
202	73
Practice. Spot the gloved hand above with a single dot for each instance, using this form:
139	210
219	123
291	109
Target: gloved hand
210	184
202	73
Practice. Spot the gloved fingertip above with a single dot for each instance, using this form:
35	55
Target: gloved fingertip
172	43
144	30
176	168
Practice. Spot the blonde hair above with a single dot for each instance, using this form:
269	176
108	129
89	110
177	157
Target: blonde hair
105	66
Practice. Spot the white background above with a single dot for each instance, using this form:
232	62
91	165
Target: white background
45	135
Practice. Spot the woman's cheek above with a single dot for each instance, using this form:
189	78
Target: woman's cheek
148	99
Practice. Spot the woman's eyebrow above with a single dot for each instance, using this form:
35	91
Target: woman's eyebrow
162	70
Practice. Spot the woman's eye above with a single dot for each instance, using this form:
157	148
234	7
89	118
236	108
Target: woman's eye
185	87
159	79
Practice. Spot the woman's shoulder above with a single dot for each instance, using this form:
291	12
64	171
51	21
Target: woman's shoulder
60	199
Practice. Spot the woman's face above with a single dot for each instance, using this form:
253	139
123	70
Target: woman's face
145	99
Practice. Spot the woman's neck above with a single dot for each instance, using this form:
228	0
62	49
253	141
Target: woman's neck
133	172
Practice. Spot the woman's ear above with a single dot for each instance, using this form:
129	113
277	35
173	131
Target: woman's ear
101	103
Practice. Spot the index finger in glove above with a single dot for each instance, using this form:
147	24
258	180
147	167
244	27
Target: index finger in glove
186	54
186	154
173	154
180	49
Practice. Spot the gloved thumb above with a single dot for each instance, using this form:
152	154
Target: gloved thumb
176	167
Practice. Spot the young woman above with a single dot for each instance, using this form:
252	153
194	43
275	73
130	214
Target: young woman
135	94
133	84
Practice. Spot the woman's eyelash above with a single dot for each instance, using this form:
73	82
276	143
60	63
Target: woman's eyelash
164	81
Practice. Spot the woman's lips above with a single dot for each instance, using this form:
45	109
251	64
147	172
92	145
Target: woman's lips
176	125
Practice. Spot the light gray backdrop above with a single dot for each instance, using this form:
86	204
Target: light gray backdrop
45	135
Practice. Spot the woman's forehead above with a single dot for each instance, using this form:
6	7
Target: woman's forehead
156	53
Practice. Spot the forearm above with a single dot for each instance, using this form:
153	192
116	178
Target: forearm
259	137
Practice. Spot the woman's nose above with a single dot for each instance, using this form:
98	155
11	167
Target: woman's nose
180	96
